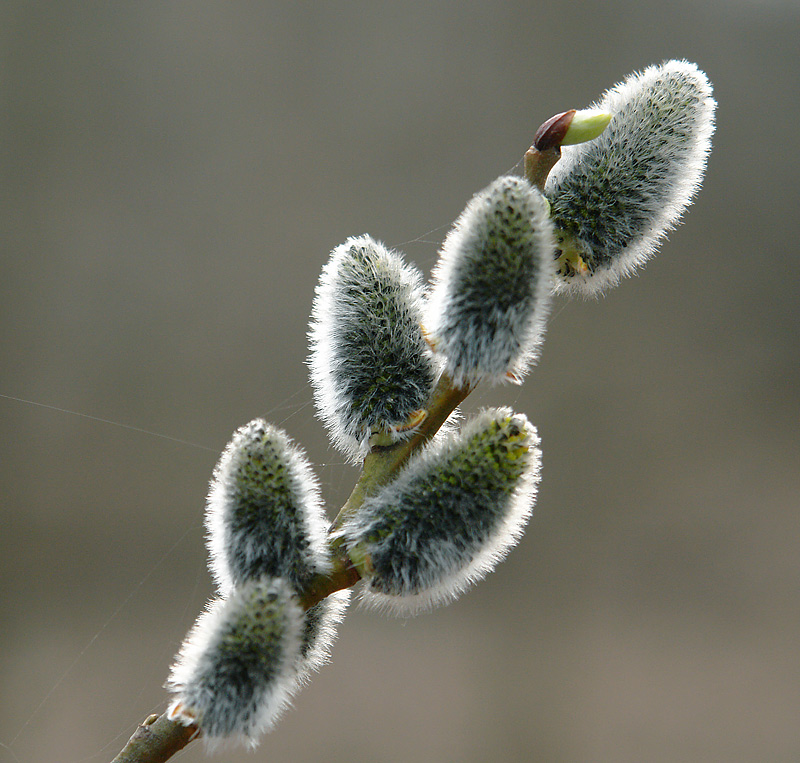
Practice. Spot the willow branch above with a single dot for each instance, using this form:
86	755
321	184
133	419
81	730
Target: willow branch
158	738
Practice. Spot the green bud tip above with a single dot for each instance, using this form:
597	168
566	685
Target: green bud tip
586	124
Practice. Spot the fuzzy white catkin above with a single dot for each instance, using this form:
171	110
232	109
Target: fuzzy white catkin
451	515
491	286
237	668
264	514
614	198
370	366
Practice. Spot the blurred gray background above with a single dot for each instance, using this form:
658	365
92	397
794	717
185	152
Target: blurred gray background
174	175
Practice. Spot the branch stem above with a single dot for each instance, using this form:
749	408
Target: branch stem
539	163
157	739
382	463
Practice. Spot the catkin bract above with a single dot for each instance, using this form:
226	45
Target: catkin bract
614	198
319	632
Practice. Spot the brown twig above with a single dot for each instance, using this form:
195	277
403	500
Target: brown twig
156	740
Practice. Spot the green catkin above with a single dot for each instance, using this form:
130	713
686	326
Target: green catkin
237	668
448	519
491	285
264	514
613	199
370	367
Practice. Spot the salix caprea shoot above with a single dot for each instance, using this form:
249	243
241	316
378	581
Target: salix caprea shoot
439	502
